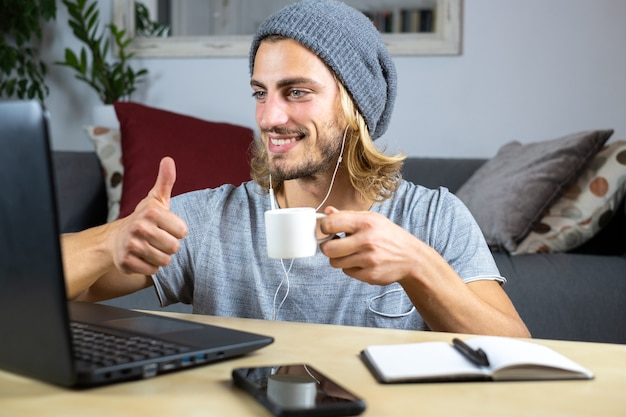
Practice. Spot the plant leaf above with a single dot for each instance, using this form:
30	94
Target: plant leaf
70	58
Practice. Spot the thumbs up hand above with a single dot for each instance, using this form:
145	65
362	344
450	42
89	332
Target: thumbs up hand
147	239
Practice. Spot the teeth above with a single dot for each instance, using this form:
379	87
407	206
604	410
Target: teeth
281	142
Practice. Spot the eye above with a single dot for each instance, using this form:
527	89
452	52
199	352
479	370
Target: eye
297	93
259	95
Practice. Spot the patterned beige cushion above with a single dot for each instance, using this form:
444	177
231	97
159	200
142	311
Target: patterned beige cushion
509	194
109	150
585	207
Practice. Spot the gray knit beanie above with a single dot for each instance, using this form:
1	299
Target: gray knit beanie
347	41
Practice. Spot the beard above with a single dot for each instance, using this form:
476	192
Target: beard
315	161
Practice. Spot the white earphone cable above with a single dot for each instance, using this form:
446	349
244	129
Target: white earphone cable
332	180
276	310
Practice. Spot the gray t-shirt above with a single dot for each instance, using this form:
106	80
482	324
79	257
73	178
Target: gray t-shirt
222	267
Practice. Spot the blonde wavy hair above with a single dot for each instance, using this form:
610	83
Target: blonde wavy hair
373	174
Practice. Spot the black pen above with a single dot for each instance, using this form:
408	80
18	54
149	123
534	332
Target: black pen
476	356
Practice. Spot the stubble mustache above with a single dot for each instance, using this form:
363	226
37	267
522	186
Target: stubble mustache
302	132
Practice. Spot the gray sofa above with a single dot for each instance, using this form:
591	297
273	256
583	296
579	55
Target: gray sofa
579	295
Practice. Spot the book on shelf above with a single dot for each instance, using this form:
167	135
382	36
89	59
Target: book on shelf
403	20
508	360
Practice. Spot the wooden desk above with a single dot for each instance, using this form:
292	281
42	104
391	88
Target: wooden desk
208	390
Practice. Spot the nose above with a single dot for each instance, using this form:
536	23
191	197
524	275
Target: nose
271	112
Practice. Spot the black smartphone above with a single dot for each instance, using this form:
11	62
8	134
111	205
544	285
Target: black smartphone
297	390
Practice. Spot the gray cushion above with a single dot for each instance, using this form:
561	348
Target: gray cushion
510	192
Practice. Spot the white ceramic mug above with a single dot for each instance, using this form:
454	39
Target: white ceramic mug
290	232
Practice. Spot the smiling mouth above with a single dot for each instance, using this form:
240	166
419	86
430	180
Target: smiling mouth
281	142
279	136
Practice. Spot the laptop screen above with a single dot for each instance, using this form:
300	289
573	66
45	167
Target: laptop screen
33	313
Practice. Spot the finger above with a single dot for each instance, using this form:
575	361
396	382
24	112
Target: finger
342	253
136	265
147	251
345	221
154	258
163	242
324	225
159	229
172	225
162	189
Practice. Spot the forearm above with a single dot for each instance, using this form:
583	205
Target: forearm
90	273
85	259
448	304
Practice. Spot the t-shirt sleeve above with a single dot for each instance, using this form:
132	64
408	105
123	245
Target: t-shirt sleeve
175	282
458	238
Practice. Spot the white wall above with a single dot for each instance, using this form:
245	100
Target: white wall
530	70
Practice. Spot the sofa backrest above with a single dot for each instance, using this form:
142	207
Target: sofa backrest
81	195
436	172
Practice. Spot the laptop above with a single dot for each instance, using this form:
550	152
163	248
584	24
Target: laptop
67	343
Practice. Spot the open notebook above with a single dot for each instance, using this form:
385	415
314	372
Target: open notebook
100	344
509	360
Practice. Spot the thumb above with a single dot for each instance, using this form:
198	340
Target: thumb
166	178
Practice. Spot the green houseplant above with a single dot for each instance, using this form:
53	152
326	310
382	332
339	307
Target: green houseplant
21	71
145	26
112	81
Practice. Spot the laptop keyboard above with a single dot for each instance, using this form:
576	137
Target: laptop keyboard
100	348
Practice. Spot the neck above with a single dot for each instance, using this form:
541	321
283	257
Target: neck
310	192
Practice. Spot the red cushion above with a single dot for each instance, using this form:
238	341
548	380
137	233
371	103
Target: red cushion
207	154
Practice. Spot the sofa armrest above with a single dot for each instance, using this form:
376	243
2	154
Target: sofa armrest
435	172
81	195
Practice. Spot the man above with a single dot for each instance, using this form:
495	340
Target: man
411	258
